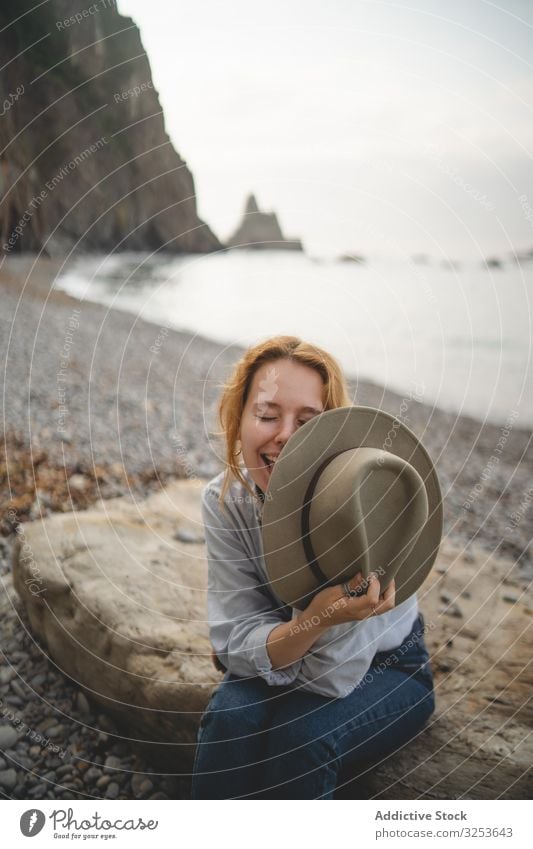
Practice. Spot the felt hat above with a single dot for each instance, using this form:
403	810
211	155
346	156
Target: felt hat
353	490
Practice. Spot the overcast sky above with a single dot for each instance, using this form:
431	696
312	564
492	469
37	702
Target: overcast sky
376	127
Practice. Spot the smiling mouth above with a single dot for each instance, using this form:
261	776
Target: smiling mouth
268	463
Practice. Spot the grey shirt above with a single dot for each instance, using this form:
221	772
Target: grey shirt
243	609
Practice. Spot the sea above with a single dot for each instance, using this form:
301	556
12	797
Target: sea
458	336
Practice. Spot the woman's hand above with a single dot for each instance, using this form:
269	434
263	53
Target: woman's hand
332	607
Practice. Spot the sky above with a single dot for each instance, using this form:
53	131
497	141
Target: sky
380	128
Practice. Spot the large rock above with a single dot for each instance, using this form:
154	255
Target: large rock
118	595
86	154
261	231
120	603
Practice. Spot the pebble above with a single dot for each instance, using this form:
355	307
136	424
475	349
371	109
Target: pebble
73	785
452	610
62	437
190	537
112	790
17	687
79	482
55	731
8	737
103	781
6	674
3	763
510	599
82	703
105	722
92	774
39	791
16	654
64	770
8	778
46	723
112	763
140	785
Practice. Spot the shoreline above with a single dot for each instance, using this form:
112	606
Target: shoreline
116	401
40	286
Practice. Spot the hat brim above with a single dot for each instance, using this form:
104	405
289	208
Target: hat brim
325	434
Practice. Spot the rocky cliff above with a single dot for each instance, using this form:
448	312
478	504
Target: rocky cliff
85	158
261	231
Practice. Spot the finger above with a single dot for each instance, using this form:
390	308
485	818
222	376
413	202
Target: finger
357	583
389	590
372	593
388	599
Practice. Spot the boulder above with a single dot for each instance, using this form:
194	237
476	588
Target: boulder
120	604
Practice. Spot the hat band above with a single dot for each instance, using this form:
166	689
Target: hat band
310	555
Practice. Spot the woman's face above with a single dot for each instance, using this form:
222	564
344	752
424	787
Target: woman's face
282	397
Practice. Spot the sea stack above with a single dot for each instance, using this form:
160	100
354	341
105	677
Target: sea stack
261	231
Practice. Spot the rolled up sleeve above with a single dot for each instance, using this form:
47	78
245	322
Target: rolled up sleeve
329	672
340	658
241	608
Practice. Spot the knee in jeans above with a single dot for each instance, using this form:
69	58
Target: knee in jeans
228	724
302	740
234	713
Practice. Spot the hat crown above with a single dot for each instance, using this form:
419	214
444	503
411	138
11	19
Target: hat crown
368	509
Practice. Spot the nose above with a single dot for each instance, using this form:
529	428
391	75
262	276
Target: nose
286	429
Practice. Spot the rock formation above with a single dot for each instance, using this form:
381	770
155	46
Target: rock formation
117	595
86	157
261	231
119	599
357	258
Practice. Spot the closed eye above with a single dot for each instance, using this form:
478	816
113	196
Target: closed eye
273	418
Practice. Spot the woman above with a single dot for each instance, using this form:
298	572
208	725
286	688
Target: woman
305	695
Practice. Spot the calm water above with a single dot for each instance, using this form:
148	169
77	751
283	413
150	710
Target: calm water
462	337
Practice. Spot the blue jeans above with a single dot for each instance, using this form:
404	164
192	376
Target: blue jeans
256	741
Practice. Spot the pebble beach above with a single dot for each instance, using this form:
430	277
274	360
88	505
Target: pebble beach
98	404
